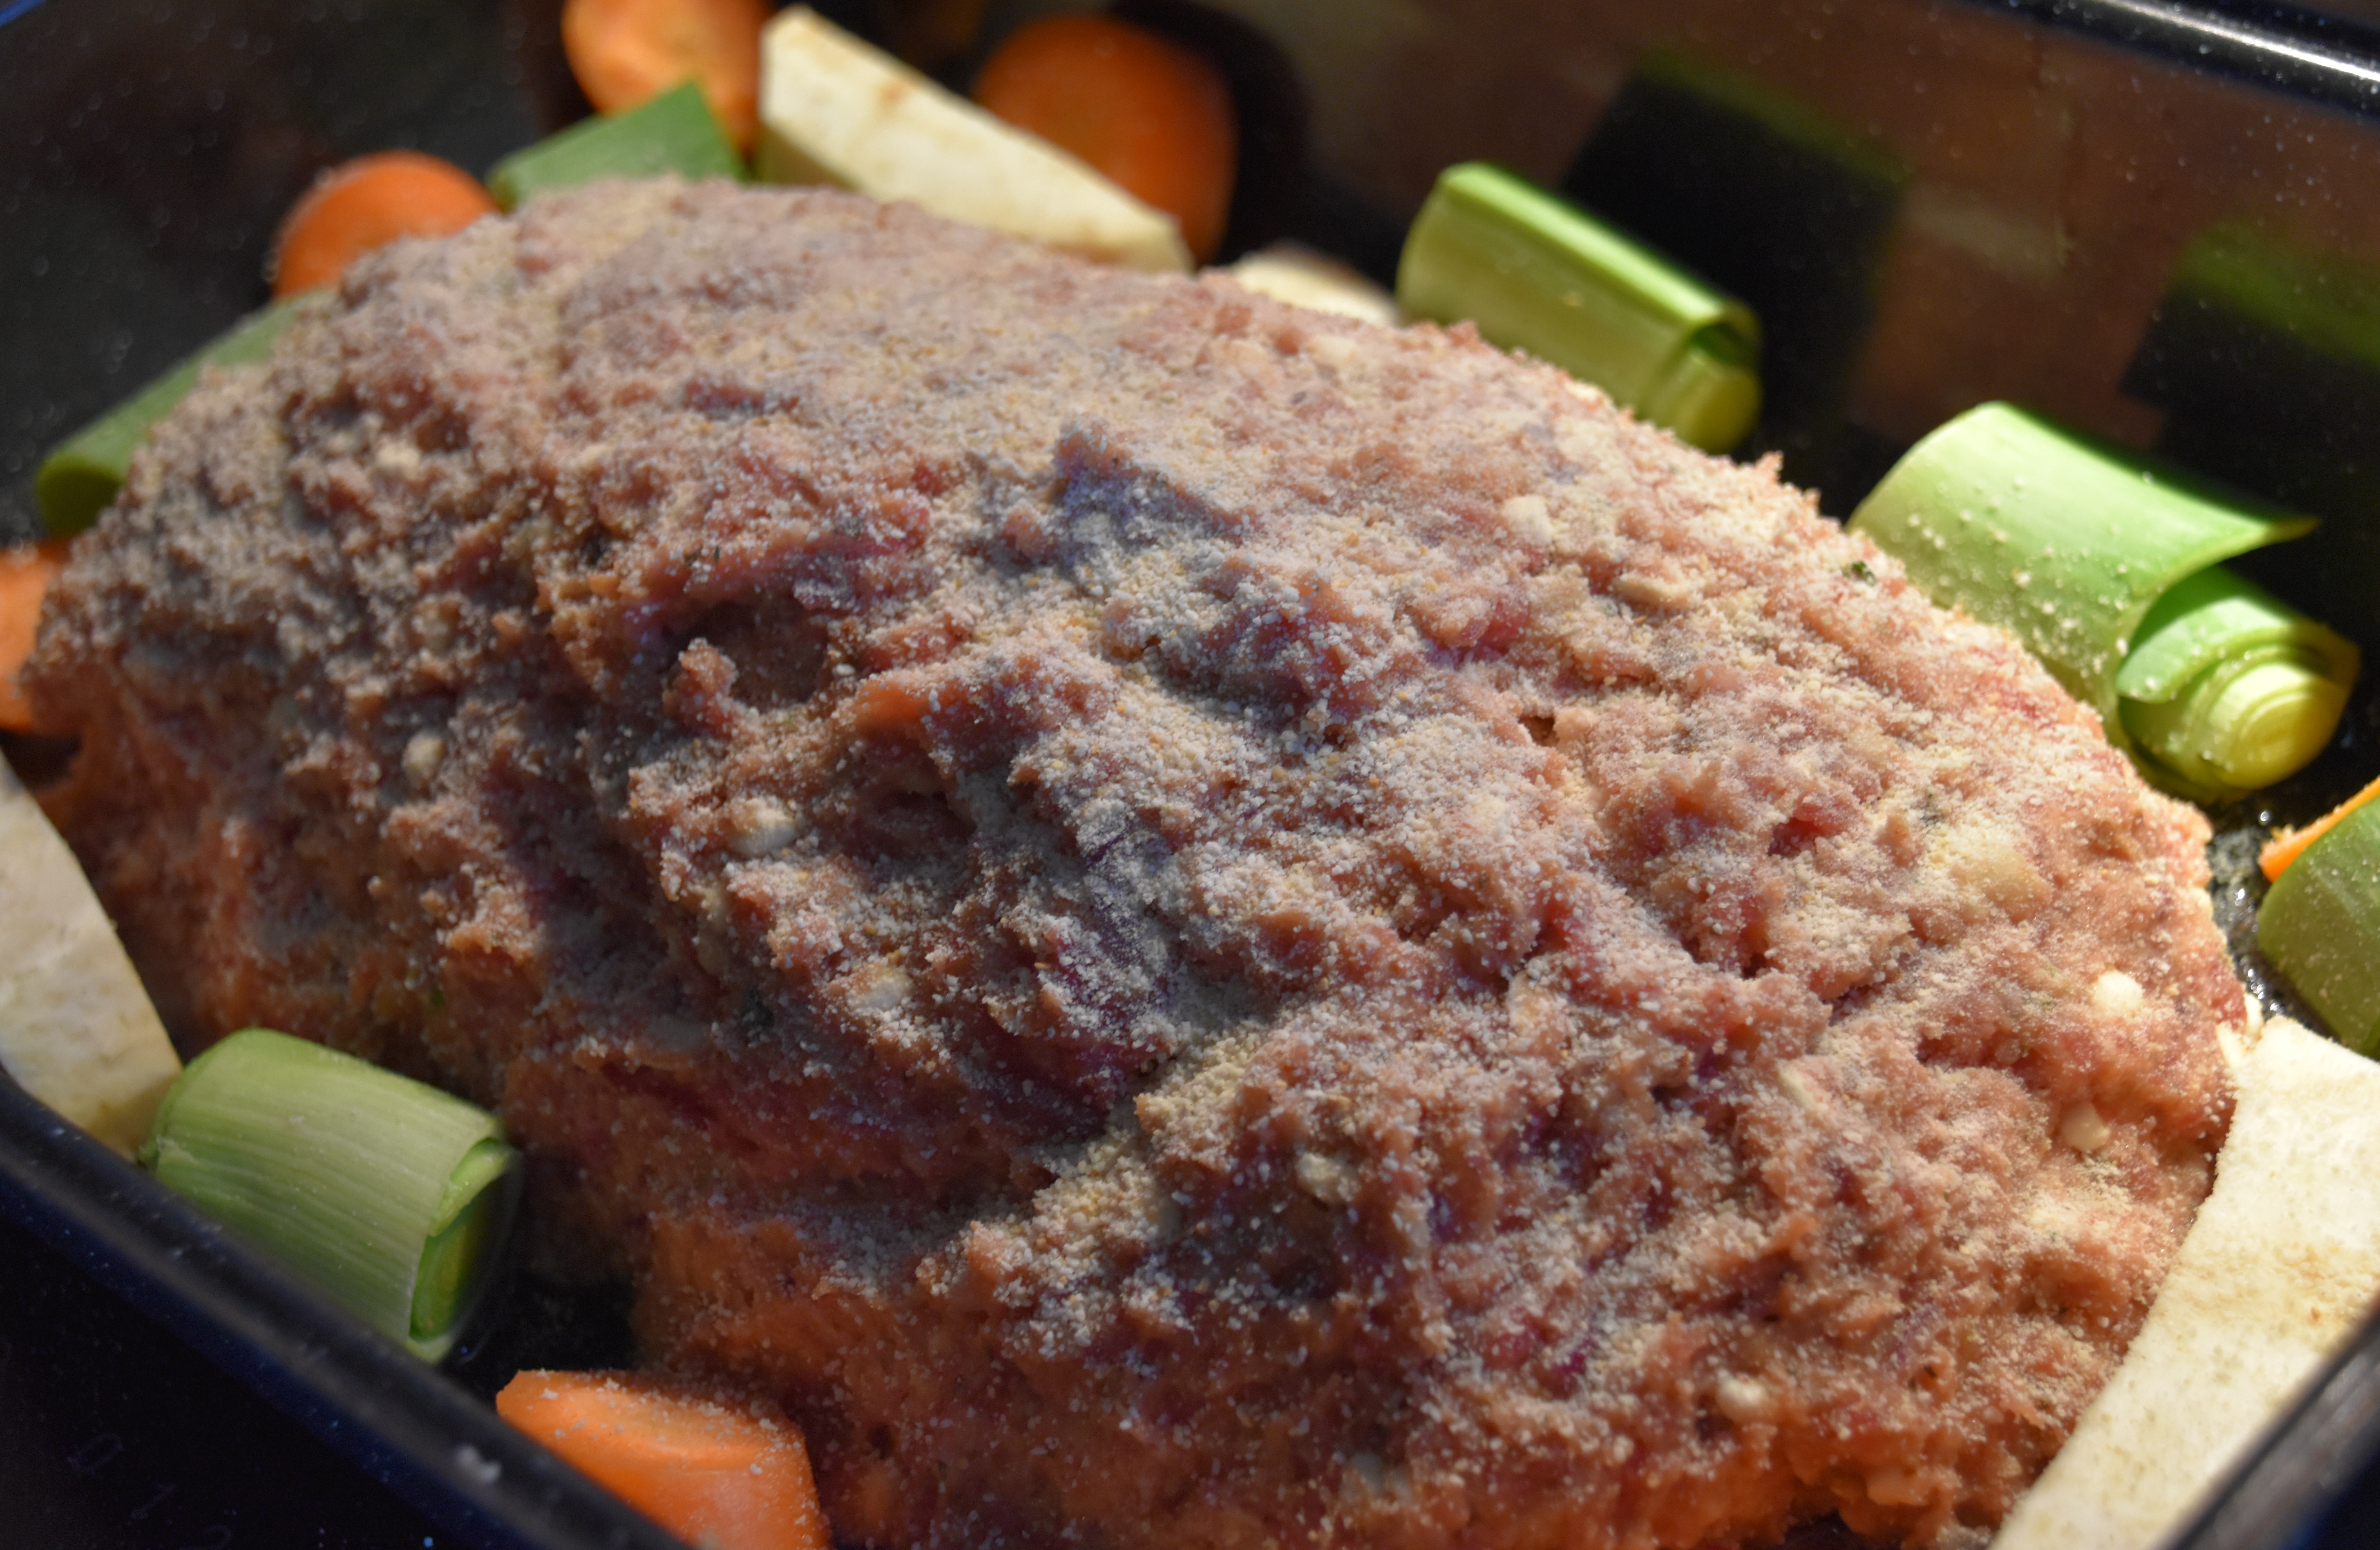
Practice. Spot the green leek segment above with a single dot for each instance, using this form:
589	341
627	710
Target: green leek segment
387	1195
79	477
674	132
2108	569
2228	687
1533	272
2321	927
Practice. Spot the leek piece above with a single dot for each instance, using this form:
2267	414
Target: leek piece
2320	925
674	132
1533	272
387	1195
2228	687
79	477
2071	546
1776	197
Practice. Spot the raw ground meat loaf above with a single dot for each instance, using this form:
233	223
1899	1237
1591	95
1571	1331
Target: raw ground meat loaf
1180	922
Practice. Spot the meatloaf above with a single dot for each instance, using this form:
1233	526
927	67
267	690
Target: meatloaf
1177	921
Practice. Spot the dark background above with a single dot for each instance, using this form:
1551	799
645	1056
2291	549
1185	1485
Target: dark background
112	1434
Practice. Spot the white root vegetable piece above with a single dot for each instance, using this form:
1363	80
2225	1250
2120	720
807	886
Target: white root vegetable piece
834	110
2280	1264
77	1029
1299	276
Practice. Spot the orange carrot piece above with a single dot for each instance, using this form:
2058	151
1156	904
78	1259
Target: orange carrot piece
26	572
2283	847
361	204
710	1474
627	52
1148	113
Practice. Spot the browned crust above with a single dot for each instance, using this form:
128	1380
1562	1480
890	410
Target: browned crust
1183	923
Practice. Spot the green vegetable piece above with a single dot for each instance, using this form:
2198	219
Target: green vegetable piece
2070	544
1534	272
1776	197
79	477
2230	687
674	132
2321	927
387	1195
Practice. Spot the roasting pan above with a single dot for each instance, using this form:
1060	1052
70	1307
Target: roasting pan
1931	203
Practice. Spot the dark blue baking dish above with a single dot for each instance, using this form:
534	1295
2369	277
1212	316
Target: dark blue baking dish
1931	203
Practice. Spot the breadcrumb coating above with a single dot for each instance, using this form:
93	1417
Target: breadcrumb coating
1177	921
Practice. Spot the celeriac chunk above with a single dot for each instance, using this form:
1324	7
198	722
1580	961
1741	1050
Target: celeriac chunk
77	1029
2281	1263
1299	276
834	110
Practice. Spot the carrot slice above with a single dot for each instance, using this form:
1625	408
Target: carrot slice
358	205
627	52
26	572
2283	847
710	1474
1151	115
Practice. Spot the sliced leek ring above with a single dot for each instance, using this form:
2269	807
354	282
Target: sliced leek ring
384	1193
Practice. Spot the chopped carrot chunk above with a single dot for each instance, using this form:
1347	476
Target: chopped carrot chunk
2283	847
627	52
26	572
1148	113
361	204
708	1473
